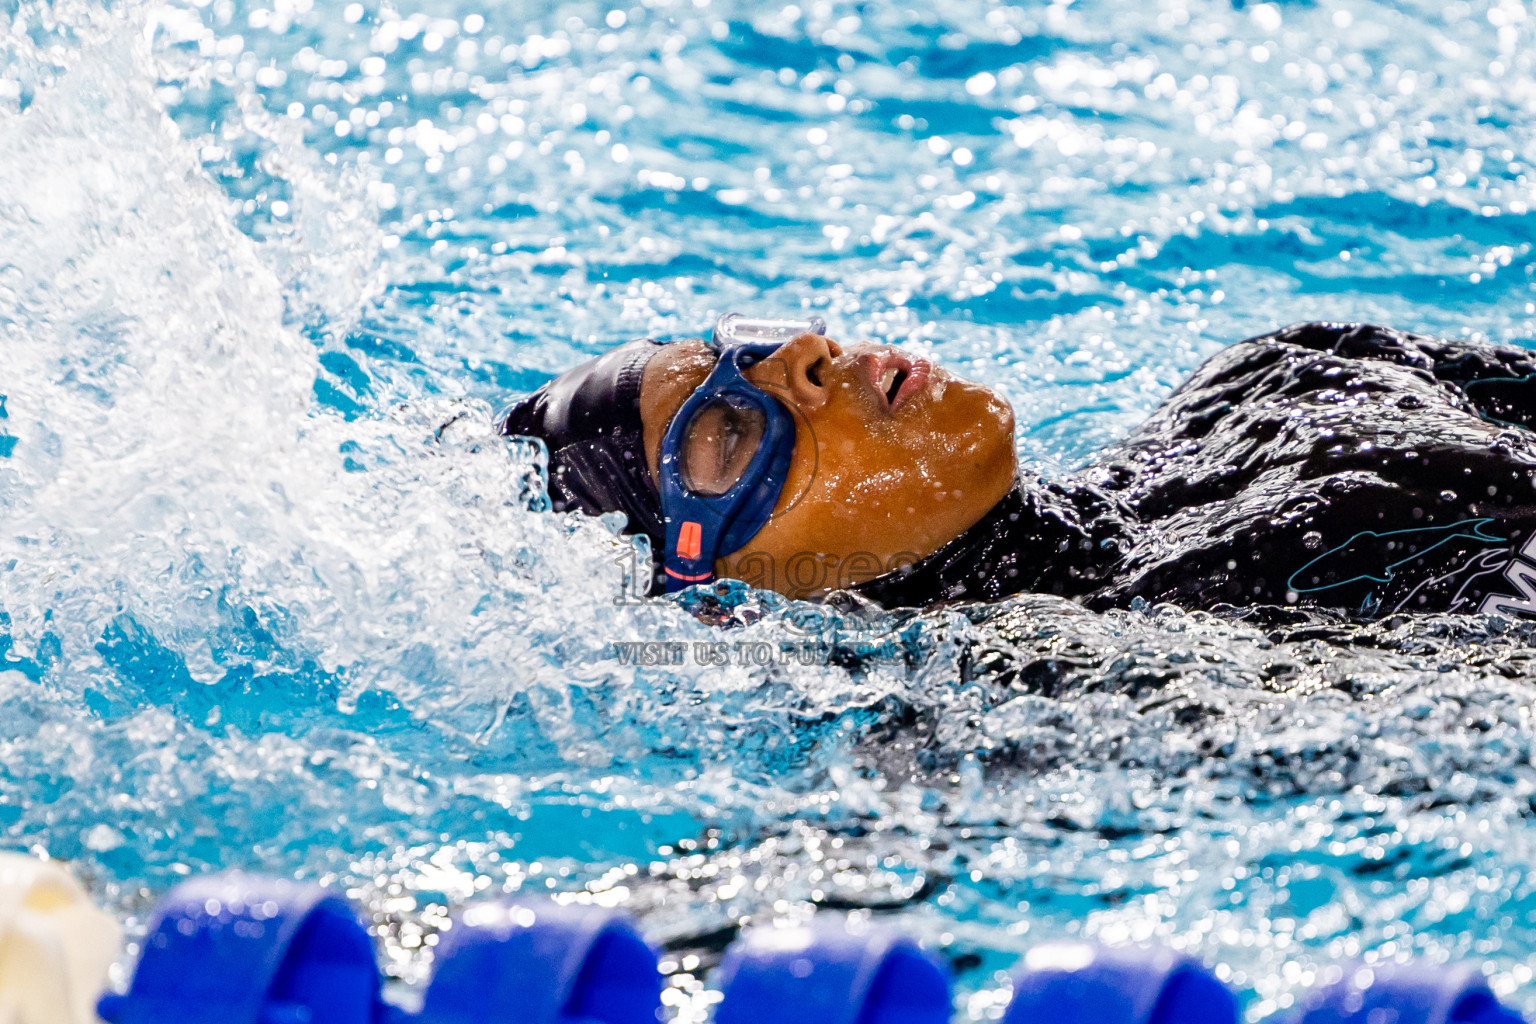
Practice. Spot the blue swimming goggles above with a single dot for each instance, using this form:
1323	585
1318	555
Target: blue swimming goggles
726	453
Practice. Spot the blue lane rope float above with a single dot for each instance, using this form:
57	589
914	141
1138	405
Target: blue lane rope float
1415	993
1087	984
542	963
831	973
1128	984
239	949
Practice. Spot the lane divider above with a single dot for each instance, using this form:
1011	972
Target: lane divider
830	972
246	949
55	946
542	963
1072	981
1404	994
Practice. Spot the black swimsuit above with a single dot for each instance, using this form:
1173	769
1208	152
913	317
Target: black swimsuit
1326	465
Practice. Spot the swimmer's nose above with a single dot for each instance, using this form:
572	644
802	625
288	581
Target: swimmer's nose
799	367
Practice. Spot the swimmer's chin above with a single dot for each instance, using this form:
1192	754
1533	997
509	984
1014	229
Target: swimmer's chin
989	436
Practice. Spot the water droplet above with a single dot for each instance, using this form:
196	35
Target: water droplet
102	838
1312	540
1447	495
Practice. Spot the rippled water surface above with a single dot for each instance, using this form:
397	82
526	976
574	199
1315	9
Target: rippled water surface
272	597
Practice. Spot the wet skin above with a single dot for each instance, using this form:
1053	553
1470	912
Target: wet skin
893	458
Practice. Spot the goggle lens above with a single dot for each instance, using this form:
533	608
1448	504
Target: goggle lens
719	442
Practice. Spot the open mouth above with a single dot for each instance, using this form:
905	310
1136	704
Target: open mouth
895	376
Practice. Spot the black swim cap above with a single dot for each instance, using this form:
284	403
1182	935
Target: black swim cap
589	419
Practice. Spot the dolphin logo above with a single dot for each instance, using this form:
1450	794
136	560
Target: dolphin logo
1505	396
1376	557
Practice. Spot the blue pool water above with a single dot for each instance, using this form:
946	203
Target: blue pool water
260	607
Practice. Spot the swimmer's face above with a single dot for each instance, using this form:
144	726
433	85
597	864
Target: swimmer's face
893	458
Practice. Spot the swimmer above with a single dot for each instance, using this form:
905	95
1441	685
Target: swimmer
1338	466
